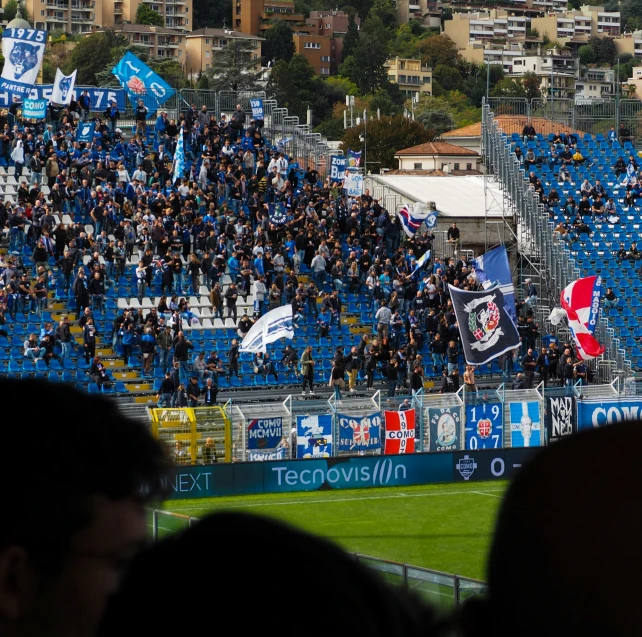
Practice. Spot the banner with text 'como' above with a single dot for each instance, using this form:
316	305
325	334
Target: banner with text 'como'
264	433
356	472
597	413
100	97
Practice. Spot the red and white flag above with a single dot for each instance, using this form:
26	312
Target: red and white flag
400	432
581	304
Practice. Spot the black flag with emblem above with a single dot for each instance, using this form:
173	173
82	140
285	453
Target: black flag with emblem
485	327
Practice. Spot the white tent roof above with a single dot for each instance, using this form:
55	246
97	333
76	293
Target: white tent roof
453	196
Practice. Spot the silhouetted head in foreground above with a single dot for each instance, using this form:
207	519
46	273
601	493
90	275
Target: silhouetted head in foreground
566	556
75	476
257	572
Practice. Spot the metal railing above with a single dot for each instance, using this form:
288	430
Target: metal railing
537	239
441	589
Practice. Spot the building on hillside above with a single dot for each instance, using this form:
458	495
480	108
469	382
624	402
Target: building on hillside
578	26
630	43
484	26
427	12
202	46
413	78
594	84
318	37
438	156
159	41
555	68
500	53
85	16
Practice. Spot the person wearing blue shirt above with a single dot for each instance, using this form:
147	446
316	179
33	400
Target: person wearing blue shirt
324	320
161	125
259	270
233	265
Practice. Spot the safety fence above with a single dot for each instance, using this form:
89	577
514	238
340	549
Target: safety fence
538	242
556	115
377	426
441	589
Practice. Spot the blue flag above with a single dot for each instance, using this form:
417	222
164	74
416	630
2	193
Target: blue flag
278	215
85	132
493	268
179	157
421	261
256	104
140	82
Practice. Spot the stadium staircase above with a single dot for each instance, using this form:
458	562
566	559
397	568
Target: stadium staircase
559	262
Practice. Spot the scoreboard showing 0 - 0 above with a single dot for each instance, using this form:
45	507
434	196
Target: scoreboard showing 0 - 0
485	426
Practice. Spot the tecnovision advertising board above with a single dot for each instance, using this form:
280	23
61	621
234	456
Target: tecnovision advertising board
362	472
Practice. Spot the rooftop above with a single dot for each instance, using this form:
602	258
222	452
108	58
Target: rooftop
437	148
220	33
511	124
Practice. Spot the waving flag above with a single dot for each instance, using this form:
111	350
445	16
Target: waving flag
63	87
278	215
486	328
23	50
179	157
268	329
492	269
425	257
140	82
581	304
412	216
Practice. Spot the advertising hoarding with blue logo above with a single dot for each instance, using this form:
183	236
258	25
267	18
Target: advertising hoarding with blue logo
599	412
525	424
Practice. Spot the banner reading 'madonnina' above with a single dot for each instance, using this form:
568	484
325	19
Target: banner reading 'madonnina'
23	50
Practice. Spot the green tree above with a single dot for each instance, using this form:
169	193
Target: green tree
605	50
351	39
386	11
436	50
279	42
531	85
296	86
202	83
11	8
509	87
147	15
90	56
587	54
634	23
211	14
437	120
385	137
233	68
628	9
331	129
446	78
383	102
365	67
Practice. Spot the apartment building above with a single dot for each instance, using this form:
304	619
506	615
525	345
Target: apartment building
159	41
500	53
413	78
630	43
80	16
202	46
484	26
578	26
594	84
427	12
255	16
554	69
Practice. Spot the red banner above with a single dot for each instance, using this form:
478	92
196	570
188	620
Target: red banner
400	431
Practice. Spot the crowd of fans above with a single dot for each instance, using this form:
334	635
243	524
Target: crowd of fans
251	230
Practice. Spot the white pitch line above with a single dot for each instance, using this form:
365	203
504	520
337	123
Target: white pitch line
489	494
331	500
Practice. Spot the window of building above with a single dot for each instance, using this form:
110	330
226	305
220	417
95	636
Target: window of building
207	40
312	45
427	80
207	54
186	21
325	71
42	13
328	26
456	166
469	166
418	166
325	58
579	87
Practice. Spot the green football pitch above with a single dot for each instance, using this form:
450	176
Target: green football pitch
443	527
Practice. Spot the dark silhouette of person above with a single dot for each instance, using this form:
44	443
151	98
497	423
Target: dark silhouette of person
566	555
279	576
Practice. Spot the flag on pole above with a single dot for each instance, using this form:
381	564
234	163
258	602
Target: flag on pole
486	328
63	87
425	257
492	269
268	329
23	51
179	157
581	305
412	216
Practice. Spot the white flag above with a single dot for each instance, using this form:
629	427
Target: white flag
269	328
23	50
63	87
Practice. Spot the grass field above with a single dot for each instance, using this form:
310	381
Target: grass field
442	527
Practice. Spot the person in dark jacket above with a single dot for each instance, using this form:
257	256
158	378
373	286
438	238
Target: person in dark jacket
89	339
148	348
181	353
81	293
129	339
